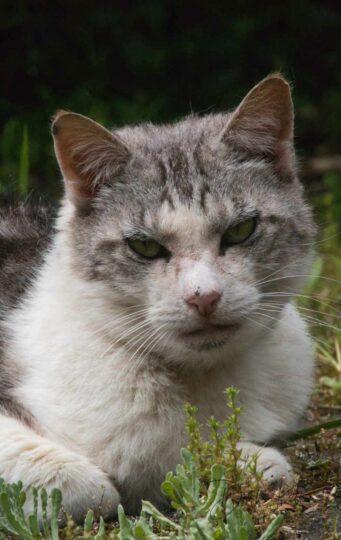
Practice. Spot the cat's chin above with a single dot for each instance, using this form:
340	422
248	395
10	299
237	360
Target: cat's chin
209	337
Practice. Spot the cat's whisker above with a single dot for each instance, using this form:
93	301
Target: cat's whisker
300	295
131	344
311	276
152	340
127	333
303	308
293	262
312	320
113	324
155	343
152	344
154	347
322	240
104	332
140	341
275	272
144	332
153	334
256	323
262	314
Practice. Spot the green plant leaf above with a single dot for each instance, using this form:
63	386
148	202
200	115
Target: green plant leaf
239	524
56	501
142	531
150	509
126	526
307	432
273	528
88	523
101	530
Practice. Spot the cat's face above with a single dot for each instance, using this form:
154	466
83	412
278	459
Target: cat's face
192	233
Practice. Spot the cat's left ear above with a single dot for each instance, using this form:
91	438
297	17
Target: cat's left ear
88	155
263	123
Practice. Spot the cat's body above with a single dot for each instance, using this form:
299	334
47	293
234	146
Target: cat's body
108	345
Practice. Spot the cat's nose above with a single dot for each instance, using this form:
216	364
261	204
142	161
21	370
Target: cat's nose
204	303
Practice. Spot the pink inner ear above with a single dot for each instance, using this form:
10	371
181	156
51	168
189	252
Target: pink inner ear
77	182
263	122
87	153
285	158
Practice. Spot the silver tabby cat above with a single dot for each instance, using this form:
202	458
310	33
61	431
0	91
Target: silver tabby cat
169	277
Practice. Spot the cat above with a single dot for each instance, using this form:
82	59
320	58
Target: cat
167	277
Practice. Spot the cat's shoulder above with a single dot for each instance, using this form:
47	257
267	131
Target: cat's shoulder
25	221
25	233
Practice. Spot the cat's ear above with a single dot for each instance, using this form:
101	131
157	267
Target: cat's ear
87	153
264	122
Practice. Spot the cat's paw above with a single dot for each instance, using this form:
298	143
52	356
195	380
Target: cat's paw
84	486
97	493
274	467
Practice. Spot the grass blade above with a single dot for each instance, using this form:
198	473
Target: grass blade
307	432
24	163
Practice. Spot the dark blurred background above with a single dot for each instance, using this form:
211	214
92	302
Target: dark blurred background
126	62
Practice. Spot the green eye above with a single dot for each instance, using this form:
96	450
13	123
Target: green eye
149	249
239	233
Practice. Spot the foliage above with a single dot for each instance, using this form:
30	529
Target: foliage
44	522
12	517
125	66
202	517
320	302
222	446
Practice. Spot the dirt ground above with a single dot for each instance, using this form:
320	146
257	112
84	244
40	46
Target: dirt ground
314	507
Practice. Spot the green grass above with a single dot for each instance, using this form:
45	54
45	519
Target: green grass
24	164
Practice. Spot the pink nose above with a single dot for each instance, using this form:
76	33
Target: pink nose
205	303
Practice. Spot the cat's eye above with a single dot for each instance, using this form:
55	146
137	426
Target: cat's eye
149	249
239	233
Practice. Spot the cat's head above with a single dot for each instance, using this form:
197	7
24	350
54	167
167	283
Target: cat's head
197	230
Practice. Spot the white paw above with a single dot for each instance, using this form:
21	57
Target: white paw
98	494
274	467
83	485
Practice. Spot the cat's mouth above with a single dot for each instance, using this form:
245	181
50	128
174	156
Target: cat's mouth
210	336
211	329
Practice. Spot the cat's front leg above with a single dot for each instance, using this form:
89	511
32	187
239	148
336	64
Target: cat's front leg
37	461
270	462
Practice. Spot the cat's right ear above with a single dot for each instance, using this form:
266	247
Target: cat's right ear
263	123
88	155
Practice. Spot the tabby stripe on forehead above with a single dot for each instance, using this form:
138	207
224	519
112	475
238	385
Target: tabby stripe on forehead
178	163
166	197
199	160
179	173
163	172
205	188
